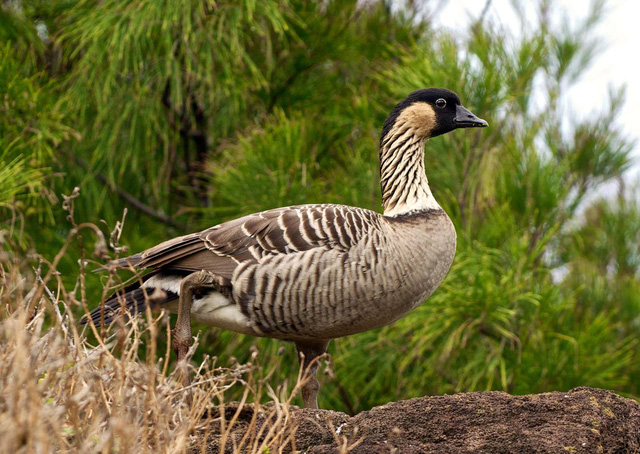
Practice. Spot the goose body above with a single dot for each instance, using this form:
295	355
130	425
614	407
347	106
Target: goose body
312	273
291	273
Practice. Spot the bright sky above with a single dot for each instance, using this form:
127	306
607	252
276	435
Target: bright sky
618	64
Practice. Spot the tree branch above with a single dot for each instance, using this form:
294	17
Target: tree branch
130	199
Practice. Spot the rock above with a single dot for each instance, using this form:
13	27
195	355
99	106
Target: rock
583	420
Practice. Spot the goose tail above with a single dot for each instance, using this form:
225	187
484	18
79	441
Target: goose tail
155	291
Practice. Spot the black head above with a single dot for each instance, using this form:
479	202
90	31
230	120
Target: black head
431	112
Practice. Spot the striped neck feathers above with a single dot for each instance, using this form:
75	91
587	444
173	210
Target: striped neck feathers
405	188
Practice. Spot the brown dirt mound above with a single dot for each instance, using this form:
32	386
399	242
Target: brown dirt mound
583	420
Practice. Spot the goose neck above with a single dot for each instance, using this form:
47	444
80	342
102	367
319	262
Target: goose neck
404	184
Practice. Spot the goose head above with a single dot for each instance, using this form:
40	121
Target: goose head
428	113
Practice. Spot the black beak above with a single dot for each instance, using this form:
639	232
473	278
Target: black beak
465	119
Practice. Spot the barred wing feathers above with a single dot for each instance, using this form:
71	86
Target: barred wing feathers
220	249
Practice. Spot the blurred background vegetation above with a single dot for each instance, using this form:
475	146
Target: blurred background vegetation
189	113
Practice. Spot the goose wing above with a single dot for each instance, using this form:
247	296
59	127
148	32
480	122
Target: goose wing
222	248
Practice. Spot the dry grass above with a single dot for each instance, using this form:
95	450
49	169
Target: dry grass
61	392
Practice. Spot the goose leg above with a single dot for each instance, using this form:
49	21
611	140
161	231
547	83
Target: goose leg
191	284
308	353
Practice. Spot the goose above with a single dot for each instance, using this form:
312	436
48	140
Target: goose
312	273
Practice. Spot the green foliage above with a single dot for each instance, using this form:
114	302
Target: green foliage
205	111
31	131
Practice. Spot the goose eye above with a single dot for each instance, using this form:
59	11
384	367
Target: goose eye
441	103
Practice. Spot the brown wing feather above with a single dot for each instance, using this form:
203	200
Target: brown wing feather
222	248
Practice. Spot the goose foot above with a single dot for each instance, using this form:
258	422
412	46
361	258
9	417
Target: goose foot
201	280
309	353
